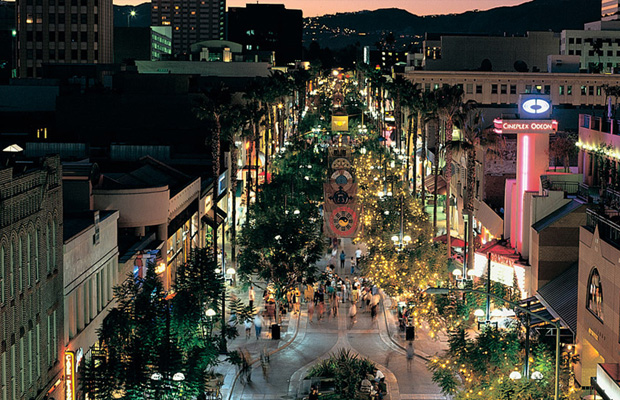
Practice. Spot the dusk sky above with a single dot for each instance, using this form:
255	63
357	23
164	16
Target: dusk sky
313	8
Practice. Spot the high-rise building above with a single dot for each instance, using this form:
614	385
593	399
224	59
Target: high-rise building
610	9
267	27
63	31
31	279
191	21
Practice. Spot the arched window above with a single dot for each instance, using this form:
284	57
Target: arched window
54	230
37	238
48	251
12	270
28	263
594	298
2	279
20	264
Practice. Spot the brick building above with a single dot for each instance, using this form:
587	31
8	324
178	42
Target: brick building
31	278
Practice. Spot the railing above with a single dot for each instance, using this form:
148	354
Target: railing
611	199
600	124
608	229
568	187
589	194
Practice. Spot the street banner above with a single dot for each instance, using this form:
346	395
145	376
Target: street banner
337	196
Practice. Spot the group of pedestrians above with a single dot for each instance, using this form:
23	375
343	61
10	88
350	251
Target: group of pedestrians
354	260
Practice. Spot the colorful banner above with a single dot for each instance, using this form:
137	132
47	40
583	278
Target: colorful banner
343	221
336	195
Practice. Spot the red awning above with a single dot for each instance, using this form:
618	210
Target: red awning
454	242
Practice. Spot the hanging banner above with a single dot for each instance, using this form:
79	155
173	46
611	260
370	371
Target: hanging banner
340	123
342	221
337	196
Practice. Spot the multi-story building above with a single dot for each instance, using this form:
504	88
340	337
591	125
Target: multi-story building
31	279
491	53
191	21
610	10
267	27
598	47
63	31
142	43
91	270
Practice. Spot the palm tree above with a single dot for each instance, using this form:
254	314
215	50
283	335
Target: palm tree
473	136
426	106
449	101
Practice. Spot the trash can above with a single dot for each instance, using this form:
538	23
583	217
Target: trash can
410	333
275	332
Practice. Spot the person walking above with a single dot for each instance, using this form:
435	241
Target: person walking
353	314
296	301
343	257
251	296
248	328
358	256
410	354
258	325
353	265
310	311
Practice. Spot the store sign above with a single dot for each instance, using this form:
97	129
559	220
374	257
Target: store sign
221	184
534	105
525	126
69	375
502	274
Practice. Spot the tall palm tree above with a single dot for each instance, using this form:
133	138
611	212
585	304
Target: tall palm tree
473	136
426	106
213	107
449	102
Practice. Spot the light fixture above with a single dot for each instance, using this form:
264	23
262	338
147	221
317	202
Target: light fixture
210	313
296	212
457	273
515	375
394	238
407	238
380	193
386	212
278	237
231	271
537	375
478	313
178	377
156	376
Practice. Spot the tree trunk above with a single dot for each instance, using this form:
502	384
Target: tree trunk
471	184
448	180
414	131
215	143
422	130
233	192
436	193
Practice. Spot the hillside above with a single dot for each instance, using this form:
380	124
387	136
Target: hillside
366	27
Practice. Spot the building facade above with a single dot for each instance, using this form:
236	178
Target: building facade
63	31
191	21
91	270
598	50
267	27
31	279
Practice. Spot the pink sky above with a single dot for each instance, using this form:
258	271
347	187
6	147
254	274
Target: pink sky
313	8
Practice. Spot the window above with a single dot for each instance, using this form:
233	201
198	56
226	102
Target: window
28	258
48	243
30	359
577	52
54	229
11	271
2	266
610	53
37	359
513	89
3	391
561	90
571	52
594	295
591	90
469	88
569	90
52	339
583	90
547	89
36	254
13	364
20	265
22	365
528	88
578	40
478	89
493	89
74	18
503	89
83	19
598	90
571	40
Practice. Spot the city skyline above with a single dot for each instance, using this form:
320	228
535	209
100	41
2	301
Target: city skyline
321	7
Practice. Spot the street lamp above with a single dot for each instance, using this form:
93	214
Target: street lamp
210	314
515	375
555	324
131	14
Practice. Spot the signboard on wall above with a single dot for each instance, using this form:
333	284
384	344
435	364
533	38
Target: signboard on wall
535	105
69	368
221	183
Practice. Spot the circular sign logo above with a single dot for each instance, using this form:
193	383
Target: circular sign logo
343	221
341	179
536	106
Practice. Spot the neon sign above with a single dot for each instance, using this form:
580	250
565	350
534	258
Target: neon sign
69	375
525	126
536	106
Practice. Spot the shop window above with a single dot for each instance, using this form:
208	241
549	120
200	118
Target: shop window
594	298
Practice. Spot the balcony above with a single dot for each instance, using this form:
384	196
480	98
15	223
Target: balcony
599	124
608	227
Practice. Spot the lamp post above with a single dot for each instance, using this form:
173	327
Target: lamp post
210	314
132	14
557	326
401	241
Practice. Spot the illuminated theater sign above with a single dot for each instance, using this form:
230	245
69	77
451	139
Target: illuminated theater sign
70	375
503	126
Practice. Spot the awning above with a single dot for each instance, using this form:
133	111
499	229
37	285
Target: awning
210	220
489	219
429	182
454	242
534	305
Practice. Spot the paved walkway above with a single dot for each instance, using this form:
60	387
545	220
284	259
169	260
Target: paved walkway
304	343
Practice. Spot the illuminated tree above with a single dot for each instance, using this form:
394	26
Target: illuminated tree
405	272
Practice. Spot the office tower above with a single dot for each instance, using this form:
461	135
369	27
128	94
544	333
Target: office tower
609	10
63	31
267	27
192	21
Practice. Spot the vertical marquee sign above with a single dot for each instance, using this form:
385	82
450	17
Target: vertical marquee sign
70	375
